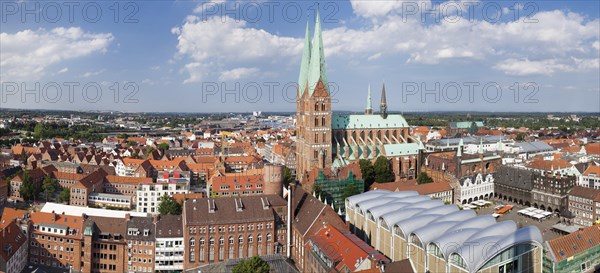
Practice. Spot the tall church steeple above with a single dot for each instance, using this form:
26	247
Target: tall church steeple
316	69
369	107
313	109
383	105
303	78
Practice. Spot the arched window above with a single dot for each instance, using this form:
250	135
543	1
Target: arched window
241	239
316	106
221	240
201	241
230	240
211	241
323	108
192	242
316	121
250	239
259	238
268	237
322	121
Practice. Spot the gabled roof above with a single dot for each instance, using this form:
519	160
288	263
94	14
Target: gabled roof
344	248
367	122
575	243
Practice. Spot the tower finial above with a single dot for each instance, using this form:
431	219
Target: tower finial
383	104
369	108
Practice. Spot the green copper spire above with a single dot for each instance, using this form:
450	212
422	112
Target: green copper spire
303	78
316	69
369	108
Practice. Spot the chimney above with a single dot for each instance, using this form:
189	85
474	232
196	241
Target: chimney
127	216
155	218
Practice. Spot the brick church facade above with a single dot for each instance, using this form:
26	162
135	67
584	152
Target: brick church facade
331	141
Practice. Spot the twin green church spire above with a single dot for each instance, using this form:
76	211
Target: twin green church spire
312	67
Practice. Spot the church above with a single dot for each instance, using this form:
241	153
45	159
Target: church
328	141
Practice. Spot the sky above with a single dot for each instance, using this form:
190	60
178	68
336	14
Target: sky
237	56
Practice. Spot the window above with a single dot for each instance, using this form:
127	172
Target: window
250	239
201	241
231	240
192	242
241	239
221	240
211	241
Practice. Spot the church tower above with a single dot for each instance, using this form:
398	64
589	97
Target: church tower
383	105
369	108
313	108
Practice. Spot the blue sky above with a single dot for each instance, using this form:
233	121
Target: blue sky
226	56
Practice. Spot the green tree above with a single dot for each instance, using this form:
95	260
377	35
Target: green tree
168	205
49	187
260	139
288	178
252	265
148	151
65	195
39	130
423	178
131	143
383	170
27	190
368	172
349	191
163	147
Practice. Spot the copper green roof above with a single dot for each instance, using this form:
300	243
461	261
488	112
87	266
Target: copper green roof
303	78
401	149
316	68
367	122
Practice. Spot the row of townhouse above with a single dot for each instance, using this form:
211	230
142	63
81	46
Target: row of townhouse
64	238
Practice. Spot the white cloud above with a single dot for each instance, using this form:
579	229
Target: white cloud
63	70
526	67
238	73
93	73
27	54
378	8
227	43
596	45
557	33
515	47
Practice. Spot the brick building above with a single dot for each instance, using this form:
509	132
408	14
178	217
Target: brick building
308	217
231	228
514	184
123	185
584	204
14	243
57	241
140	238
83	187
109	248
550	191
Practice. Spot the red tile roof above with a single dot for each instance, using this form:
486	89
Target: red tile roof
577	242
344	248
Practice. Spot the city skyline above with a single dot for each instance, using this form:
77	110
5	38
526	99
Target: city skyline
201	51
